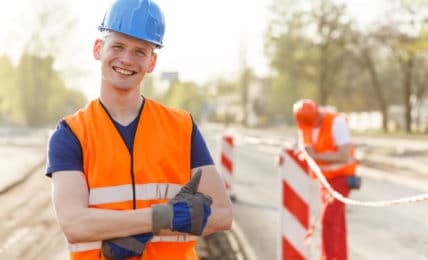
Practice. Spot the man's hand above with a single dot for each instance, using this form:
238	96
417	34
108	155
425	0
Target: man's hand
303	152
311	152
187	212
125	247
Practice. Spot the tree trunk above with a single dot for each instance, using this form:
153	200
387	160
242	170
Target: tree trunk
407	66
377	88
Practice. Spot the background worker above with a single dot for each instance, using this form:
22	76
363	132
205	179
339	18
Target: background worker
121	167
325	136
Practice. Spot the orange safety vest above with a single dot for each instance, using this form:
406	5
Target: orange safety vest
325	143
154	173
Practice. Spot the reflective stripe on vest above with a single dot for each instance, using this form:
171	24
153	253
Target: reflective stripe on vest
80	247
336	166
157	168
325	143
122	193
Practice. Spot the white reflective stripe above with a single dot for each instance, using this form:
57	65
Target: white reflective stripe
79	247
293	231
293	174
335	166
227	175
176	238
156	191
121	193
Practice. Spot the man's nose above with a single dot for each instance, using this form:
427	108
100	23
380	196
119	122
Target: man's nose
126	57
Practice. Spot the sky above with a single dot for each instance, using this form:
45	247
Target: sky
203	39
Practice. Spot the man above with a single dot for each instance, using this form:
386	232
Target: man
119	166
325	137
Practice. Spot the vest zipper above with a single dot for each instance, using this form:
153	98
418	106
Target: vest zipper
131	152
134	199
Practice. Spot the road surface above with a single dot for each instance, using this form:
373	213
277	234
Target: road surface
393	232
28	229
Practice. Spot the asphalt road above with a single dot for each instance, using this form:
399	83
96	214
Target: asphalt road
390	232
28	229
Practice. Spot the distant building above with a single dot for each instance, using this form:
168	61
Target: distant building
171	76
361	121
419	117
372	120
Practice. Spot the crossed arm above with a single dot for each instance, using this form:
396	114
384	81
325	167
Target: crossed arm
341	155
83	224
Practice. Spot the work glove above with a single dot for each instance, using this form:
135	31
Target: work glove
187	212
125	247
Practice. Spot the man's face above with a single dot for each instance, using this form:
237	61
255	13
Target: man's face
124	60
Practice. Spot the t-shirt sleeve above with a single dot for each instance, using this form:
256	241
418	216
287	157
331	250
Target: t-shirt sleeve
200	154
64	151
341	132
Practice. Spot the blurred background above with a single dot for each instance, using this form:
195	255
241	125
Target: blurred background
246	61
239	64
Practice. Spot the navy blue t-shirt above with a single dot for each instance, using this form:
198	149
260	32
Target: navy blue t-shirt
65	152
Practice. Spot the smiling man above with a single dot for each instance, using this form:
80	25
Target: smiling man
132	178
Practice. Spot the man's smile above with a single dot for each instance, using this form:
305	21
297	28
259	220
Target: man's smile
124	71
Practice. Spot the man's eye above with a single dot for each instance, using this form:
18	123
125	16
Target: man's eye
141	53
117	47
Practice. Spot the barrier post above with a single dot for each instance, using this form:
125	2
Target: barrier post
226	158
295	211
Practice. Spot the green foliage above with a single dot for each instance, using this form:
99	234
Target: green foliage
40	96
185	95
246	77
293	58
147	87
35	77
223	87
8	91
316	52
32	92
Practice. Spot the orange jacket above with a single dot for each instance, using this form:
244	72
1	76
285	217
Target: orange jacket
154	173
325	143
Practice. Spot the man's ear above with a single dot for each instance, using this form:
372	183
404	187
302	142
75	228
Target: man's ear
152	63
98	45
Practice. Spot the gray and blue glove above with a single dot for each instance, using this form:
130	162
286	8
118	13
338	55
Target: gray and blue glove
187	212
125	247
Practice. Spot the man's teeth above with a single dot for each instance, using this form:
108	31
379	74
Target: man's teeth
122	71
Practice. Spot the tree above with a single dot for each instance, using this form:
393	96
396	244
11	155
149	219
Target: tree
405	35
291	60
365	49
42	93
332	37
148	88
307	50
245	79
185	95
40	96
8	92
34	79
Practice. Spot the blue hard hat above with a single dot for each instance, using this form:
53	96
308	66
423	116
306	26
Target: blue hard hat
142	19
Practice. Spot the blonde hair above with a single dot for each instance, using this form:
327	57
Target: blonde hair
104	34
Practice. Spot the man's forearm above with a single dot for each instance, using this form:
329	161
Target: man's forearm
91	224
220	220
341	155
332	157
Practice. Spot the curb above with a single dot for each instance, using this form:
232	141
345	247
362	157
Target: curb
237	236
24	176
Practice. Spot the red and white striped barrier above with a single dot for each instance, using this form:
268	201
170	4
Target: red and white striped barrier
226	158
295	210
